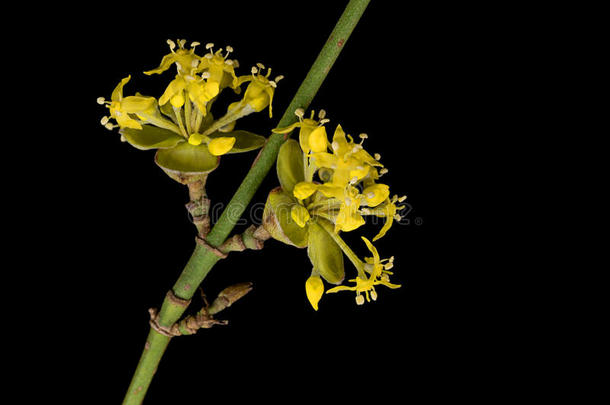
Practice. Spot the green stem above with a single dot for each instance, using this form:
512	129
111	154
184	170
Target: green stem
202	260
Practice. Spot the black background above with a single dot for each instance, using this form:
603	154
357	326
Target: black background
417	81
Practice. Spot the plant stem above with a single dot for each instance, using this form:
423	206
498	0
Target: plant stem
202	259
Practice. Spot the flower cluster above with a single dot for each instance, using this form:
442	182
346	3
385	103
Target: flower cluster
328	188
180	123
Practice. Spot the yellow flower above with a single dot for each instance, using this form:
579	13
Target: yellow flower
366	284
388	210
259	93
309	127
185	59
199	92
314	288
348	162
121	107
221	69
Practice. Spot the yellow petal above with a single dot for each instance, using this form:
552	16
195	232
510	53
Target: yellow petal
376	194
220	146
318	140
314	287
300	215
304	189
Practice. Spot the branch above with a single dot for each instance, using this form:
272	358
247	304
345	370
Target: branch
203	259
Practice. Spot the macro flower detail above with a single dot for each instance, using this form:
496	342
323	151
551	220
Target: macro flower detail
327	188
179	125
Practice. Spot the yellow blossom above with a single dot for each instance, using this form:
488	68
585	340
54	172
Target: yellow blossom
366	284
259	93
185	59
220	68
121	107
199	92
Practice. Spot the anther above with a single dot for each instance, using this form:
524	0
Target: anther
359	299
401	199
321	114
229	49
388	266
195	44
383	171
278	78
363	136
209	45
260	66
235	63
272	84
181	43
254	70
299	112
324	121
101	100
397	217
377	156
109	126
172	45
104	120
229	62
374	295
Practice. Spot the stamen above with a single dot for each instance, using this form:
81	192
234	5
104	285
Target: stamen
104	120
260	66
377	156
268	73
229	62
229	49
401	199
172	45
272	84
359	299
363	136
397	217
374	295
101	100
385	277
324	121
208	55
299	112
181	43
254	70
388	266
209	45
235	63
321	114
110	127
383	171
278	78
195	44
